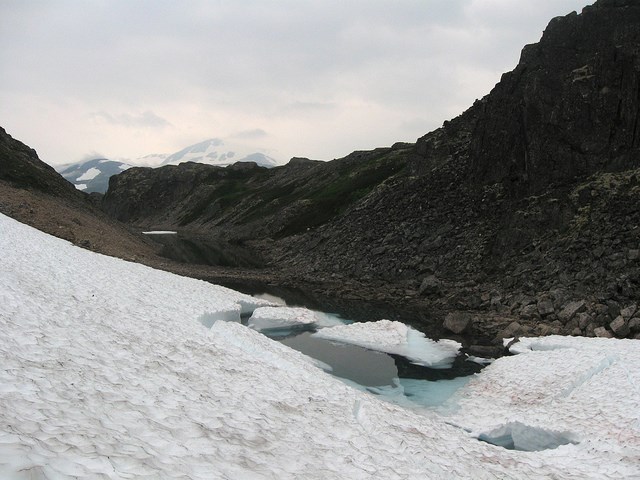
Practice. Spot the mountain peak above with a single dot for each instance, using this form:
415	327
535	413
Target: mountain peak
215	152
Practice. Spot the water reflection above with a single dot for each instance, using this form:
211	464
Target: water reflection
365	367
205	251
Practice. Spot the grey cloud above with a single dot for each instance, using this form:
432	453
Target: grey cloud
260	60
310	107
254	134
146	119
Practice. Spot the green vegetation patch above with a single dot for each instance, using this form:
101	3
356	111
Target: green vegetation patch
336	197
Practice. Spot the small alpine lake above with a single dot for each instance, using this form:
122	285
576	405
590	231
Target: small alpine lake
394	377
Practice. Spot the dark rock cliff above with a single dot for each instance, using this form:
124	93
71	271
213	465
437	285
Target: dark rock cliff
570	107
21	167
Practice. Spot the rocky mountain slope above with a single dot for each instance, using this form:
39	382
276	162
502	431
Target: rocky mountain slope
523	209
245	201
34	193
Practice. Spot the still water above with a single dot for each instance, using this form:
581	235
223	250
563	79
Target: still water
393	377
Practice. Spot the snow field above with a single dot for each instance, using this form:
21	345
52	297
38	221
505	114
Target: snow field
106	371
89	175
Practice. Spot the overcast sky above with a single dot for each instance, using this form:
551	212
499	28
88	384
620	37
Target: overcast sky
315	78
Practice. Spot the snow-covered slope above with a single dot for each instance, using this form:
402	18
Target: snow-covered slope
216	152
107	371
92	175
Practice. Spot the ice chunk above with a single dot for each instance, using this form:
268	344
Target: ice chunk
230	314
479	360
271	298
395	338
324	319
265	318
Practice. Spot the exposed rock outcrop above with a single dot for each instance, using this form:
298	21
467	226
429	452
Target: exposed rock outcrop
21	168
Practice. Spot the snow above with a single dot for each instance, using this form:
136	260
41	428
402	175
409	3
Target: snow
395	338
81	186
218	152
264	318
90	174
583	390
106	371
160	232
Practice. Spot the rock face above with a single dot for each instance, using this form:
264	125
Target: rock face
21	168
571	106
525	207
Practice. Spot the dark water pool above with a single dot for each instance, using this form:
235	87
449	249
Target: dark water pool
205	251
393	377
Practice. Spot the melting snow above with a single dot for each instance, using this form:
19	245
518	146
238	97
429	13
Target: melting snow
264	318
89	175
395	338
107	372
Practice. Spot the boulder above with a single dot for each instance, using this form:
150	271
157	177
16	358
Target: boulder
584	319
512	330
485	351
543	330
545	307
570	310
629	311
620	327
529	311
613	308
430	285
602	332
634	325
457	322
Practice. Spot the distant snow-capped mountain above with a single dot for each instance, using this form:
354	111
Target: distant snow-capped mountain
92	175
215	152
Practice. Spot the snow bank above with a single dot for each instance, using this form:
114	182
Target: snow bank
107	373
265	318
560	390
89	175
396	338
